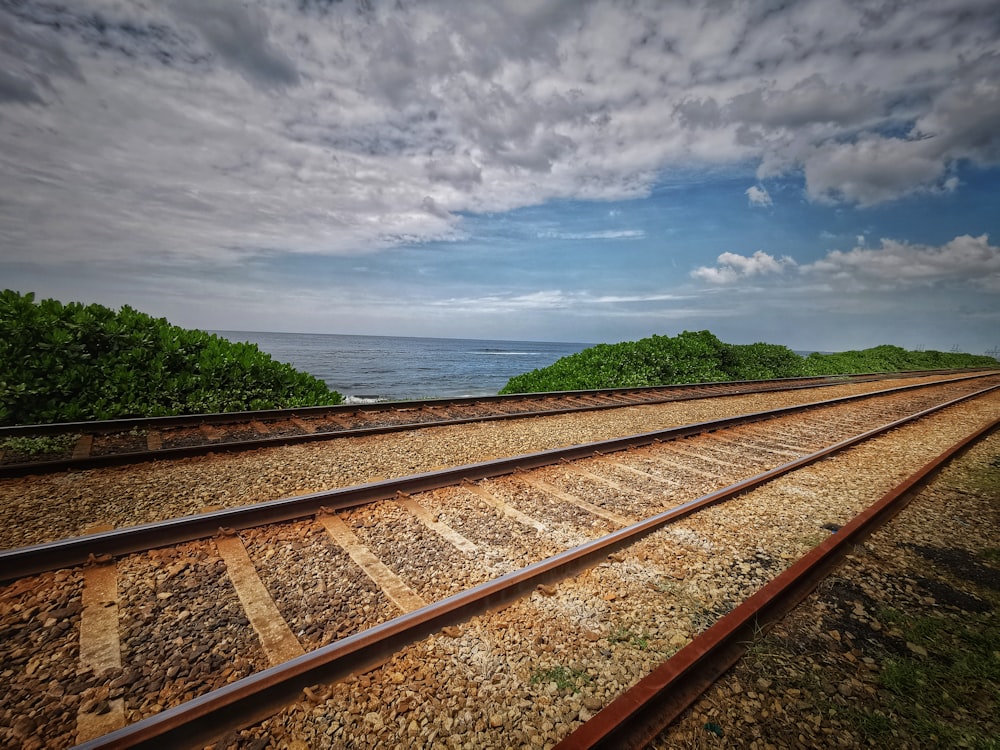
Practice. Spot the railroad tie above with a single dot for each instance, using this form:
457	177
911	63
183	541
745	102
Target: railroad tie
678	465
405	598
698	456
508	510
100	648
276	638
625	467
83	446
742	443
597	510
606	481
209	432
303	425
429	520
154	440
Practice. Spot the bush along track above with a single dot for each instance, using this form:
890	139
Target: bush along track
71	362
700	357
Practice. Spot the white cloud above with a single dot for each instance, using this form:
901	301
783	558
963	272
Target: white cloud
733	267
607	234
758	196
968	261
567	302
186	131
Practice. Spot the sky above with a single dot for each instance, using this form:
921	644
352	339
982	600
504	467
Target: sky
823	174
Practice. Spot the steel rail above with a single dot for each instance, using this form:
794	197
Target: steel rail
236	446
637	716
19	562
235	417
254	698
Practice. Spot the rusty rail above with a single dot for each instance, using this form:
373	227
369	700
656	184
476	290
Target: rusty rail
637	716
254	698
30	560
218	418
624	396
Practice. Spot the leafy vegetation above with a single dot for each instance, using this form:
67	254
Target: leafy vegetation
69	362
564	678
39	446
696	357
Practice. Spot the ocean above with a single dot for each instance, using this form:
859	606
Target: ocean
390	368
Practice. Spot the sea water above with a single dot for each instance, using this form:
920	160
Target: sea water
381	368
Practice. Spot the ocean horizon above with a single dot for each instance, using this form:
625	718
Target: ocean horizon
367	369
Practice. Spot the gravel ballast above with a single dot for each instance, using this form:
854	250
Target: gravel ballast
527	675
41	508
524	676
849	666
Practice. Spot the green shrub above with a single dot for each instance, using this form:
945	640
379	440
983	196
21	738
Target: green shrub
77	362
700	357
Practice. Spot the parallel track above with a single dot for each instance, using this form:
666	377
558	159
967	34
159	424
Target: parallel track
125	441
647	481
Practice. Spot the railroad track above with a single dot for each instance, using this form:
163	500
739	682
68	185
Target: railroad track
84	445
183	630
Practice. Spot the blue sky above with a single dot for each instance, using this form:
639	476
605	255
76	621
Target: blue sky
823	174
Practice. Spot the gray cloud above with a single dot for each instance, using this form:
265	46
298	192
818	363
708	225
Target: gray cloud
811	100
462	173
966	260
240	36
230	130
29	61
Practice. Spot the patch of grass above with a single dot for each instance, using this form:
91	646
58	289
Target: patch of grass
815	539
623	634
938	698
902	677
564	677
39	446
874	725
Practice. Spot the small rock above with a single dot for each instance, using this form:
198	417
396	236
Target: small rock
678	640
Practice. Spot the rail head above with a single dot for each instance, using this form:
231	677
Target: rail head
251	699
31	560
638	715
126	424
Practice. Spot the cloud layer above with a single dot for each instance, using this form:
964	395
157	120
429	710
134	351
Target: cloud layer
965	261
186	131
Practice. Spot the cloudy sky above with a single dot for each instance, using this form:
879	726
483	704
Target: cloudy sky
823	174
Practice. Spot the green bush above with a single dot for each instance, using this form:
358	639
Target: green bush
700	357
75	362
